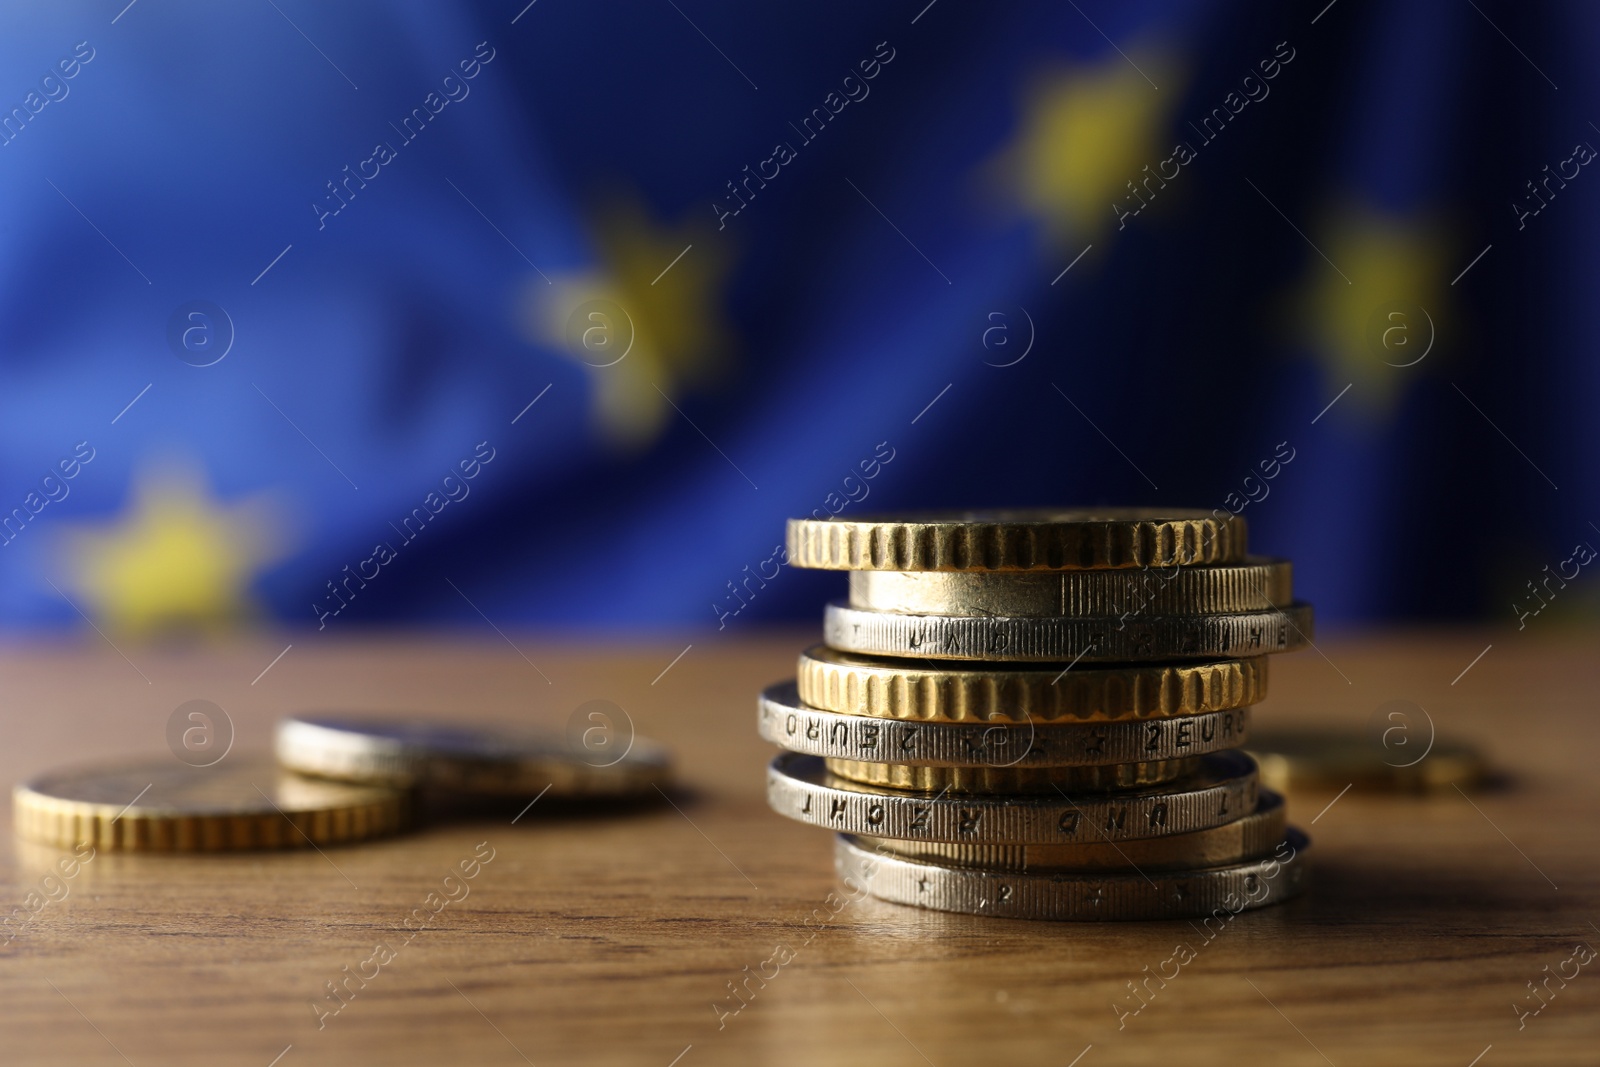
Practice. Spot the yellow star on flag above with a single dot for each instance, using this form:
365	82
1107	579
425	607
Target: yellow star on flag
1086	131
1375	305
646	323
175	559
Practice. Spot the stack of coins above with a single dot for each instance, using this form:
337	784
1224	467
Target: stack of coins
1036	714
337	779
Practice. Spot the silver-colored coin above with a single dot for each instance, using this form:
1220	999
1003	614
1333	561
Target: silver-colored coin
1215	893
1257	584
1225	788
464	757
1133	638
785	721
1251	837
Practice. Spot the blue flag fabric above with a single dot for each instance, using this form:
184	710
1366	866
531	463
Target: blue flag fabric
552	314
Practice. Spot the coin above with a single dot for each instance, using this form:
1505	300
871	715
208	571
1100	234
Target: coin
984	692
1251	837
1022	540
1101	639
1330	759
1218	893
159	805
799	787
1257	584
785	721
992	780
464	757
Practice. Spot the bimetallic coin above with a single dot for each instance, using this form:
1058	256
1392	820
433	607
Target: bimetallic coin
468	758
1215	893
1002	780
800	787
1021	540
1257	584
785	721
1249	838
1134	639
1329	759
160	805
1046	693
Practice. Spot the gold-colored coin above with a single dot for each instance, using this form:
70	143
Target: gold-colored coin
1042	539
978	692
1251	837
997	780
1328	759
161	805
1254	585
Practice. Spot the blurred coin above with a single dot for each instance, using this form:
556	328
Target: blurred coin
1135	639
1213	892
1256	584
975	691
1249	838
1017	540
1224	789
468	758
158	805
1332	759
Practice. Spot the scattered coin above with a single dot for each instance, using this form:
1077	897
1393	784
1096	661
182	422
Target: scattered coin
1329	759
157	805
463	757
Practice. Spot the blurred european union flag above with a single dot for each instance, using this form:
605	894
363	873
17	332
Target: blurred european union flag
551	313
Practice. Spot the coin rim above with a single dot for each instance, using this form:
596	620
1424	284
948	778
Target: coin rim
938	541
1271	821
372	811
896	689
942	744
1032	818
1257	583
1053	896
1050	638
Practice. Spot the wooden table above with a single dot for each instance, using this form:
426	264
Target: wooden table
608	939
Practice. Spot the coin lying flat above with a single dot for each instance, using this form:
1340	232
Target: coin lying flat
1021	540
1252	837
1134	639
160	805
1219	892
1329	759
988	692
979	780
1254	585
464	757
785	721
800	787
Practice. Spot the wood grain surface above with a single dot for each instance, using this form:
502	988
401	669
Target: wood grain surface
610	937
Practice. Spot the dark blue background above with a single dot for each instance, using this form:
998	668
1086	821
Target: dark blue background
396	337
